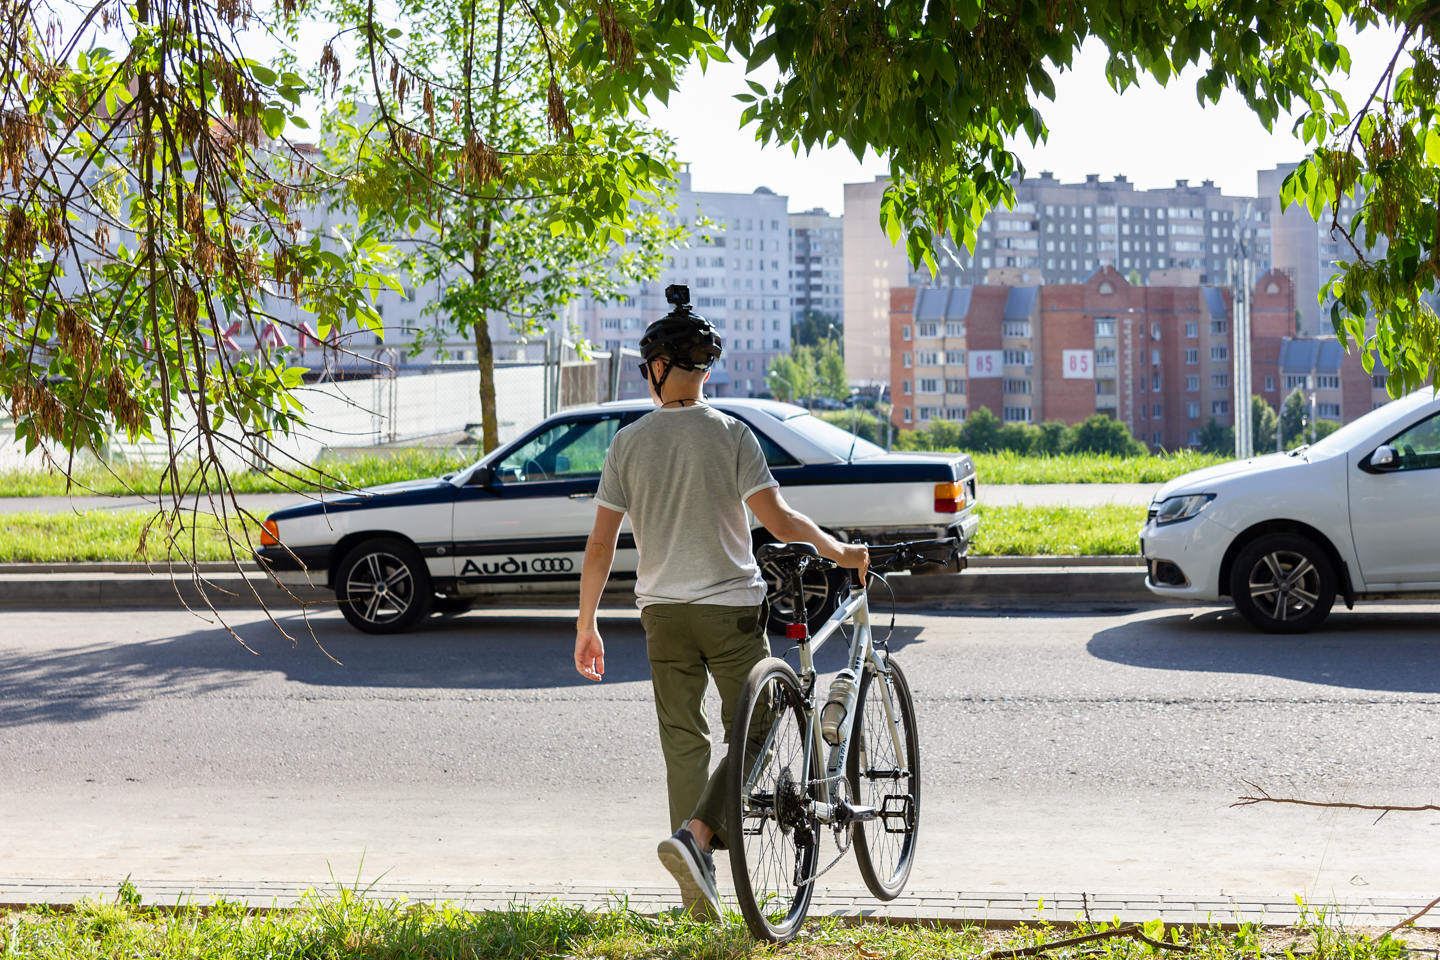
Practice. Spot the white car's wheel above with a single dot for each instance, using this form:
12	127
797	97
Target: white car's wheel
383	586
1283	583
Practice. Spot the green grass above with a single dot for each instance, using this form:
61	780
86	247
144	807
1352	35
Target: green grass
1007	467
1059	531
350	927
113	535
94	535
410	464
124	479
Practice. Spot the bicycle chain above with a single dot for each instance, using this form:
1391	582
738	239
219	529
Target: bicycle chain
838	857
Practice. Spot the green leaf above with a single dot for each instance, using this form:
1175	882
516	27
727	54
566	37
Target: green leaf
1432	146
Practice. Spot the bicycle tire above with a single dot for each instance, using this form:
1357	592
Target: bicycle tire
774	846
883	855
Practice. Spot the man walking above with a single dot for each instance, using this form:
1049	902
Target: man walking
684	474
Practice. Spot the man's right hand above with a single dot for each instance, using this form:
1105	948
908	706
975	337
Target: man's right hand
589	654
857	557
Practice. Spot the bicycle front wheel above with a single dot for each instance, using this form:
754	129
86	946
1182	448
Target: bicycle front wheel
773	838
885	846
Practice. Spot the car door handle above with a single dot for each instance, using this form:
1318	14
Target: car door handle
581	495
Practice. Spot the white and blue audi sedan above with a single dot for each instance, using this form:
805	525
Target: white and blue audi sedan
516	521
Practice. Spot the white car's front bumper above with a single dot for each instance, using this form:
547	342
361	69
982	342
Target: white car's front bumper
1182	560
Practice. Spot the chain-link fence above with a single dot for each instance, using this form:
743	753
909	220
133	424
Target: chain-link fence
379	400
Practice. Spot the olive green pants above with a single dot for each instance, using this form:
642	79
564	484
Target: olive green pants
688	643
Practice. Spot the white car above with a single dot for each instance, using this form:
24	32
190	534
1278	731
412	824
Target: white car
1356	515
517	520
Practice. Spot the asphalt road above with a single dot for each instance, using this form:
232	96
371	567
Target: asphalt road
1097	752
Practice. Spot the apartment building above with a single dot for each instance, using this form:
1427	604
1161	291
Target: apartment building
1159	359
1056	233
816	284
738	269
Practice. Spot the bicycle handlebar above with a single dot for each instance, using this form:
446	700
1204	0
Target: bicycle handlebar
884	557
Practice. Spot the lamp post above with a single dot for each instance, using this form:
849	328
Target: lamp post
772	374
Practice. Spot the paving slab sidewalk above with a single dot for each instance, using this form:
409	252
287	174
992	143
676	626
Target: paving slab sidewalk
993	908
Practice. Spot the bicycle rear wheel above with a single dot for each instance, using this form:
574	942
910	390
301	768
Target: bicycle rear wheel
772	837
885	846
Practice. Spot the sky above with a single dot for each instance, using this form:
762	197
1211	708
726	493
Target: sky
1154	135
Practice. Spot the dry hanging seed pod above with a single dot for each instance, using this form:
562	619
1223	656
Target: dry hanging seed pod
557	115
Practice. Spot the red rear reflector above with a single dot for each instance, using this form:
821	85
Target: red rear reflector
269	534
796	631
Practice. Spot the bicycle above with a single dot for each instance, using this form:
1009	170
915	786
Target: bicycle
781	795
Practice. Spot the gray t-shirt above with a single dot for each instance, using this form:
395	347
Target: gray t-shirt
683	475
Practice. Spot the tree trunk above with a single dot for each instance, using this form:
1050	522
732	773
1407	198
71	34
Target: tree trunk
485	357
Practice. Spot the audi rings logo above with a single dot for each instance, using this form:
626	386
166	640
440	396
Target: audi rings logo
510	567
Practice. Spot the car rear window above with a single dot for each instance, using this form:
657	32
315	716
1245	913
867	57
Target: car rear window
833	440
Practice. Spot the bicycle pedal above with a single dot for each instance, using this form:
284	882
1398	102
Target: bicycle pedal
898	813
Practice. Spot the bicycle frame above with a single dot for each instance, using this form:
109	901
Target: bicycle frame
863	654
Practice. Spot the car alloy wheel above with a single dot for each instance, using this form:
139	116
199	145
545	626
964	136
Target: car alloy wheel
1283	583
383	586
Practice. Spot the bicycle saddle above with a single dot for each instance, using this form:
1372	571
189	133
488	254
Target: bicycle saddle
776	551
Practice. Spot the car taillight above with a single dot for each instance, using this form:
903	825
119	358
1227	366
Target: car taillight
949	497
269	534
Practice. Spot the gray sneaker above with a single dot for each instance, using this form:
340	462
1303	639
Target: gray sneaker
694	871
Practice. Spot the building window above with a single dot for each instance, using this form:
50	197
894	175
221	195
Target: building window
927	358
1105	356
1327	382
1015	328
1217	407
955	358
953	385
1104	326
1192	410
955	328
1017	358
907	415
1192	355
1016	386
1219	326
1017	414
1194	439
955	413
905	331
927	413
1219	353
1155	356
1155	331
1296	381
1219	380
929	385
1155	412
1269	384
905	387
905	360
1155	382
927	330
1329	411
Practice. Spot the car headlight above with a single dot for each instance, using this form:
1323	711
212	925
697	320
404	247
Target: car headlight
1176	509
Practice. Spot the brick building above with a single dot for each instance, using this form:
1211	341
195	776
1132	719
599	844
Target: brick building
1160	359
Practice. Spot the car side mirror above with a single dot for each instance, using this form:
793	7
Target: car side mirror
480	478
1384	458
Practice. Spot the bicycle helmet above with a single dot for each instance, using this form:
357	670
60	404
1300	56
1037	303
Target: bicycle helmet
684	336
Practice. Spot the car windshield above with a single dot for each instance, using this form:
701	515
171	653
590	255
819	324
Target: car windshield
831	438
1344	438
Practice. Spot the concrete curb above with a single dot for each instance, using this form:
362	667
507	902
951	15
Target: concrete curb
132	586
951	908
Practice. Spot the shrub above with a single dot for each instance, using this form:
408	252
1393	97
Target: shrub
1100	434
